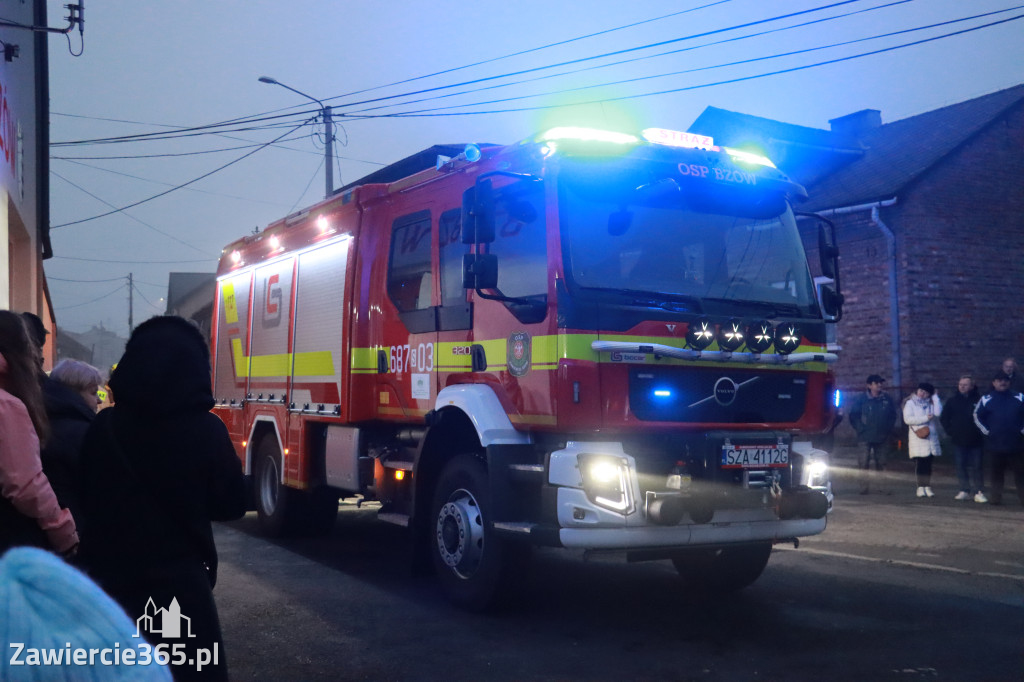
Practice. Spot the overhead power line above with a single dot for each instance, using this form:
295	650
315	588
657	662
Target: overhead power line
141	222
604	55
530	50
156	182
83	281
98	298
258	118
203	129
134	262
634	59
734	63
184	184
739	79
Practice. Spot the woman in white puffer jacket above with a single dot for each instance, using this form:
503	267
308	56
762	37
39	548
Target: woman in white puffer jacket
922	409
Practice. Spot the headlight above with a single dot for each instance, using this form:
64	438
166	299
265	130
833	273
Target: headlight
816	473
606	481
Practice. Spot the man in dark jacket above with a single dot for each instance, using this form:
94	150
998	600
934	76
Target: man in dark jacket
873	417
1016	380
1000	416
157	468
958	420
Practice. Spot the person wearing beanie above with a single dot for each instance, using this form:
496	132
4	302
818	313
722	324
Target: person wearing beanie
920	414
51	615
873	417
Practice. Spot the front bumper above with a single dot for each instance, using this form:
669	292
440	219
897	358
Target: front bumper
623	517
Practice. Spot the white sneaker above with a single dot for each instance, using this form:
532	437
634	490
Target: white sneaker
920	492
962	496
928	492
980	498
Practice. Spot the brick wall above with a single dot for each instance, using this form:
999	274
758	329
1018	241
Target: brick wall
959	232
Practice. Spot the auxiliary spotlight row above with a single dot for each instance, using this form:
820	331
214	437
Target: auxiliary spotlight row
731	335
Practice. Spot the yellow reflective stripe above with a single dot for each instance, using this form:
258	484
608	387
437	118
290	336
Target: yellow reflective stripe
544	354
577	347
241	362
446	360
314	364
309	364
496	350
363	361
547	351
269	365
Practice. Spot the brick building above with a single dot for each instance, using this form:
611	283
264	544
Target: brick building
929	213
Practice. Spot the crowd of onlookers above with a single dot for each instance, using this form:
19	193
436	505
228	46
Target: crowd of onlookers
124	496
982	427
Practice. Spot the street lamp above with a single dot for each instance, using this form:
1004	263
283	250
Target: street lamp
329	131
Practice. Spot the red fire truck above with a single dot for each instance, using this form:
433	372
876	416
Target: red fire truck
589	339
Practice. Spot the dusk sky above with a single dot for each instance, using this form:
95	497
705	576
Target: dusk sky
484	71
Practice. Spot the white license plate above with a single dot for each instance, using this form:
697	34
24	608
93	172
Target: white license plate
754	456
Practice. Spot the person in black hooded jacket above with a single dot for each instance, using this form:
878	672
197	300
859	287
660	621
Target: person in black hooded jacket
158	467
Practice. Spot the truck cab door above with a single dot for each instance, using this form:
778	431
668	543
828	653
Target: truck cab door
406	354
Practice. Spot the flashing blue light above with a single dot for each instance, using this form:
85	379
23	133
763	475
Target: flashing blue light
838	397
662	393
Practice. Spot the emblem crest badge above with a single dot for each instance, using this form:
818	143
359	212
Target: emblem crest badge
518	354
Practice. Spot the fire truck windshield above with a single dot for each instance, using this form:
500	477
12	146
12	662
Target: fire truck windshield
725	247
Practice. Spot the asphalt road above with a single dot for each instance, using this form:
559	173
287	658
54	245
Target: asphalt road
897	588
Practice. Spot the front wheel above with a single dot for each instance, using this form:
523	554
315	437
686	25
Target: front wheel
475	568
722	569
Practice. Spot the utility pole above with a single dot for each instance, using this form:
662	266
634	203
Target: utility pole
131	290
325	111
329	151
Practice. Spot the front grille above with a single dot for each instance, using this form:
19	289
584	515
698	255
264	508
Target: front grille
729	396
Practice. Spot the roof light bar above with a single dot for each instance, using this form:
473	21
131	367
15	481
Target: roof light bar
749	157
587	135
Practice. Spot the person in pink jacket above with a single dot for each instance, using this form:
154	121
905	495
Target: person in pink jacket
29	512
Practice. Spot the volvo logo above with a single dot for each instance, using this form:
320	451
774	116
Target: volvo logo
725	391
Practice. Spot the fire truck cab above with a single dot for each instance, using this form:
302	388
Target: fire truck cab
593	340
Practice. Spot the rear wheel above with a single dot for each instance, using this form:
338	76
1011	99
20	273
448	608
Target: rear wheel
274	501
476	568
722	569
287	511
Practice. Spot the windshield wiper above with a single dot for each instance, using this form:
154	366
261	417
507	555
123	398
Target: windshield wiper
690	305
770	309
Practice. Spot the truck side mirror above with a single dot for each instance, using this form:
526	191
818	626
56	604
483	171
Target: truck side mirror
478	213
828	252
831	302
479	271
